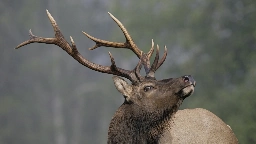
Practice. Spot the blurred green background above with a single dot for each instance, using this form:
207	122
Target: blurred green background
48	97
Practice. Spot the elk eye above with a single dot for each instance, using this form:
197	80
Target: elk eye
147	88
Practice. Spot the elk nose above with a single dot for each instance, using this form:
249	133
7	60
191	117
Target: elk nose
189	78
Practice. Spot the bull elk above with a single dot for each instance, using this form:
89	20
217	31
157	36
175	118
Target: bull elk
150	112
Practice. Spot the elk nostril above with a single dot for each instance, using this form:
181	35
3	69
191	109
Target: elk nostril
186	79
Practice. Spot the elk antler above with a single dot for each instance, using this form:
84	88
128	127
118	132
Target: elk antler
71	49
128	44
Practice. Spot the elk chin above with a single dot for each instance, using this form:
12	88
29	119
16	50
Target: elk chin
187	91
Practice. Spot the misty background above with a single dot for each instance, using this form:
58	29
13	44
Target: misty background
48	97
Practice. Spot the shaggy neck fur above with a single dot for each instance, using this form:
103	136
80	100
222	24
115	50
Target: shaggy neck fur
135	124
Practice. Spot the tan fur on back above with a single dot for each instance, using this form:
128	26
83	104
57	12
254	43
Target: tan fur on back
197	126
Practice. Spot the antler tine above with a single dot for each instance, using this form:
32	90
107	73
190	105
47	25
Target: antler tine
137	69
145	58
121	72
150	52
71	49
163	58
129	40
154	65
128	44
105	43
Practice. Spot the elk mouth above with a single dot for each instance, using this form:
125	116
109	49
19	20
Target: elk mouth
187	91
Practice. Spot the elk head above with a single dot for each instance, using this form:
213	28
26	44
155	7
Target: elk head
157	99
151	94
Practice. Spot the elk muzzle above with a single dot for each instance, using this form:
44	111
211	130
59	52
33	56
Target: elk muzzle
189	87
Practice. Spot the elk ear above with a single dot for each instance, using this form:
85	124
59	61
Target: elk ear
123	87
